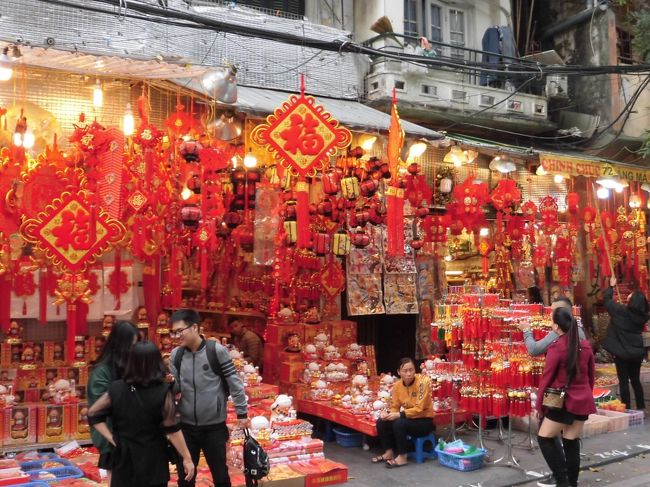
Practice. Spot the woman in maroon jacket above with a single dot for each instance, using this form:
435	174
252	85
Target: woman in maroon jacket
569	365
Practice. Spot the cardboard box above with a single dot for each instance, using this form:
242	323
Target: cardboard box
20	424
262	391
342	332
322	472
312	330
283	476
291	371
53	423
291	357
297	391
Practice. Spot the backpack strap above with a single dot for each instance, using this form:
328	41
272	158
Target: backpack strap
177	360
213	360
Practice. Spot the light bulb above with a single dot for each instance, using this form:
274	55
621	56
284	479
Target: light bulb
558	178
540	171
458	163
186	193
18	139
28	139
128	123
6	68
619	189
602	193
448	258
98	95
484	232
250	161
367	144
417	149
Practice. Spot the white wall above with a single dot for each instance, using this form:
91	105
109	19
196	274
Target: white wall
332	13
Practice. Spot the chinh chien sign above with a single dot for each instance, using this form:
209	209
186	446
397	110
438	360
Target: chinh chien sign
575	166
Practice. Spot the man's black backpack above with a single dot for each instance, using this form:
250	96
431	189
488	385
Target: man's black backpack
211	352
256	461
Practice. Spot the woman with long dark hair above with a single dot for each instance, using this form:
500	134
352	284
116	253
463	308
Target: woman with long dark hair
569	366
109	367
624	341
142	408
410	413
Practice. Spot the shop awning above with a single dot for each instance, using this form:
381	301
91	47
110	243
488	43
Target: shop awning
351	114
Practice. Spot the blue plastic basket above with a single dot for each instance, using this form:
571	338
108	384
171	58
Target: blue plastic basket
347	437
463	463
39	464
31	484
60	473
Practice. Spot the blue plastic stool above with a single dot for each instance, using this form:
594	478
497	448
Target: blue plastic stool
419	441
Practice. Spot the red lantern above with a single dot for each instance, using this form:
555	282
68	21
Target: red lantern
362	216
572	201
331	182
360	239
321	243
369	187
232	219
324	207
189	150
416	244
190	215
422	211
414	168
341	243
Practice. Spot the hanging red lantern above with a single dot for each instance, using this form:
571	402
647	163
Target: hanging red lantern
572	201
360	238
189	150
529	211
362	216
331	181
369	187
324	207
341	243
321	243
549	211
232	219
190	216
417	243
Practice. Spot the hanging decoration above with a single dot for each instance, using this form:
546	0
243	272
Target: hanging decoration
395	191
466	209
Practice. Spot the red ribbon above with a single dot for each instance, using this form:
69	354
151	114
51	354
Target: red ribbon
395	220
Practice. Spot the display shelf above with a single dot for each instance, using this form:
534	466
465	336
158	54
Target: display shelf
39	446
251	314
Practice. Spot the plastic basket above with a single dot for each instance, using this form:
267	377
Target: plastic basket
637	418
40	464
595	425
347	437
29	484
617	421
462	463
59	473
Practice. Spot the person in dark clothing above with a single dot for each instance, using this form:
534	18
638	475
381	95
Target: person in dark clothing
109	367
142	409
203	404
569	366
535	295
624	341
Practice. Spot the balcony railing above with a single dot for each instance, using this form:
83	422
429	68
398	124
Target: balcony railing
511	72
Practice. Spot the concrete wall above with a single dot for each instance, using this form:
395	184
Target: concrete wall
332	13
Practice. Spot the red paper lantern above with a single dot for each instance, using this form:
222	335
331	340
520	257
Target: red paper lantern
362	217
572	201
369	187
321	243
190	215
189	150
324	207
331	182
232	219
416	244
360	239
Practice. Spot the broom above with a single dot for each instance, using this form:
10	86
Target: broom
383	26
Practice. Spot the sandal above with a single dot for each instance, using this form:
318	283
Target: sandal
392	464
380	459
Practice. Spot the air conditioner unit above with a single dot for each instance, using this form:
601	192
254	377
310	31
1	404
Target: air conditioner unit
557	86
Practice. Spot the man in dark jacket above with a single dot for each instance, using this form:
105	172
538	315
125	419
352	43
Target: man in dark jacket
202	406
625	341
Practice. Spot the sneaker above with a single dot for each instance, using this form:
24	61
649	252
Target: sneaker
546	483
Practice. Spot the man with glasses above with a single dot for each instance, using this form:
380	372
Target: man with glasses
203	373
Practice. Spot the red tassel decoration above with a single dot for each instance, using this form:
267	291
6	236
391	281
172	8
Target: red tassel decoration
302	214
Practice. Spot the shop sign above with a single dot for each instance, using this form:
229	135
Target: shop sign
302	135
575	166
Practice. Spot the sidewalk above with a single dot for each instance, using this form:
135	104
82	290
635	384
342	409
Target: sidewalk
597	452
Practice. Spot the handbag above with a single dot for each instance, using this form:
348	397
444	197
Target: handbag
553	398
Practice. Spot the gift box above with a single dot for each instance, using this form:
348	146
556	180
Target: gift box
54	353
310	331
52	423
342	332
271	365
30	377
277	333
20	424
78	427
321	472
262	391
291	372
283	476
297	391
291	357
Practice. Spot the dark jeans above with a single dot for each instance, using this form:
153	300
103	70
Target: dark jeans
212	440
392	434
629	371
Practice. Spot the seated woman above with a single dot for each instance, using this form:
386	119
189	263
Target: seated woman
569	366
142	409
410	413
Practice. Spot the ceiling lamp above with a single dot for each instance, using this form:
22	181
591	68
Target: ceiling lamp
98	95
226	126
613	182
503	165
540	171
602	193
416	150
250	161
128	122
221	83
558	178
6	66
455	156
368	143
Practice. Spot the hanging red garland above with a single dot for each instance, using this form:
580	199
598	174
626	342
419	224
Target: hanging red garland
549	210
529	211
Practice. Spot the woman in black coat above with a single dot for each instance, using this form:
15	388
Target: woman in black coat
625	341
